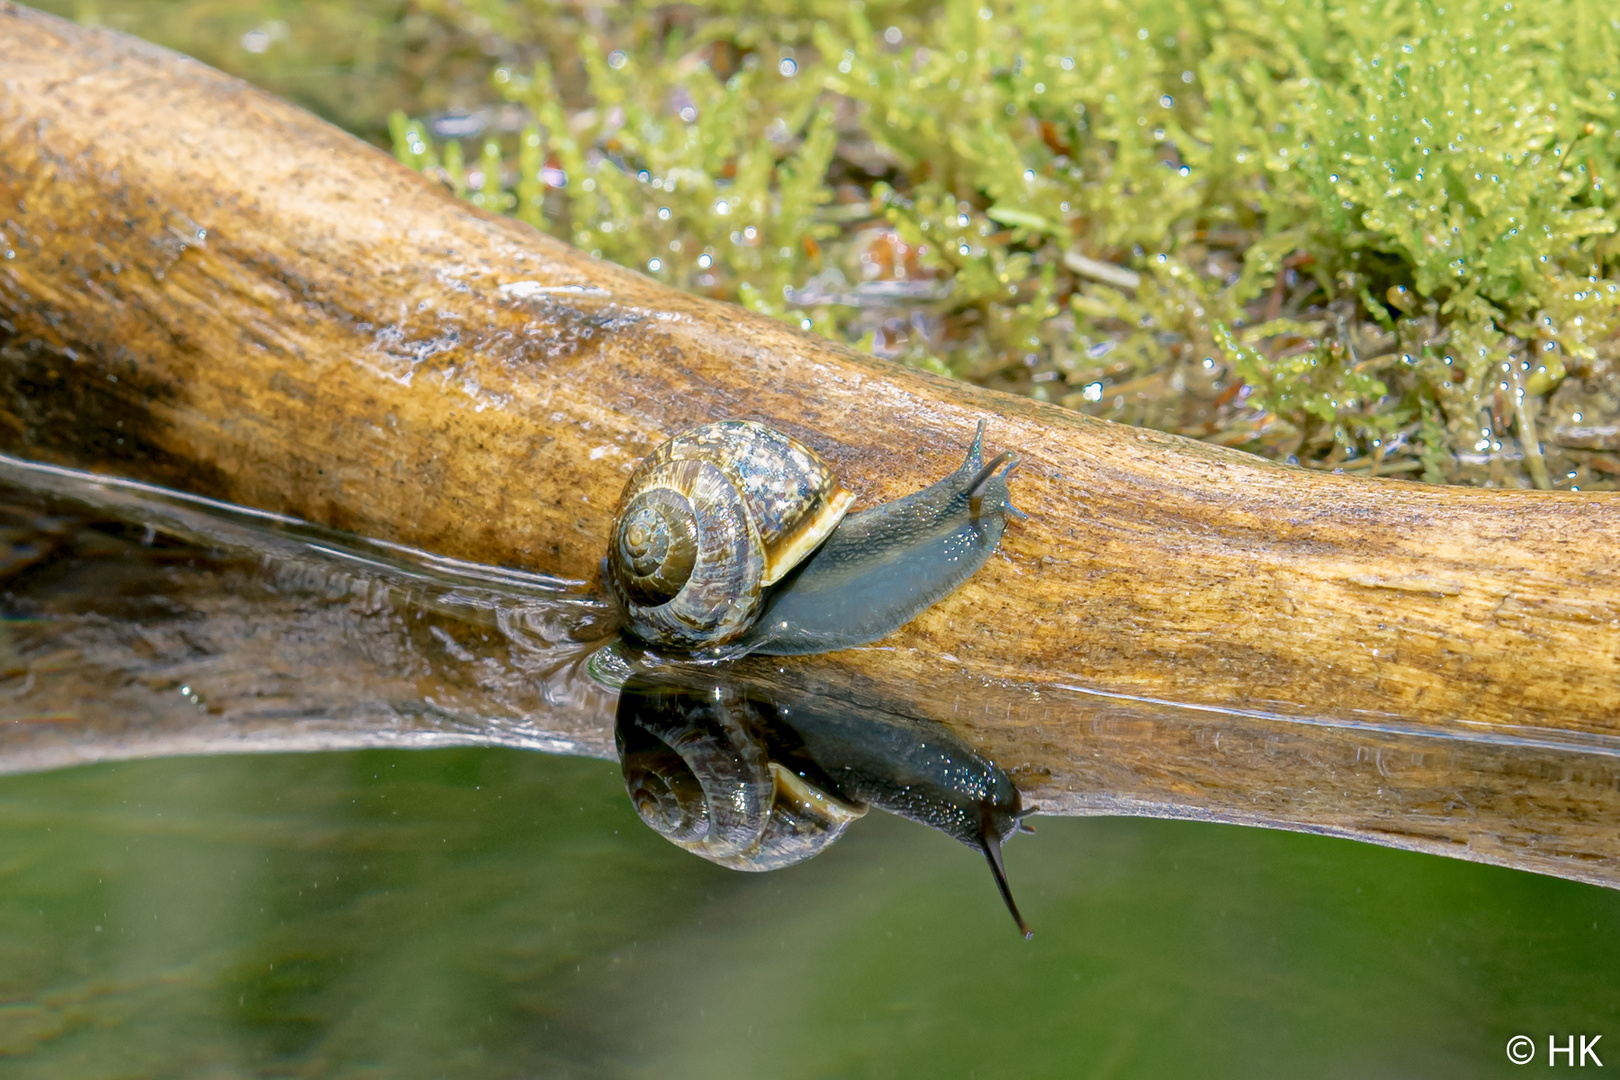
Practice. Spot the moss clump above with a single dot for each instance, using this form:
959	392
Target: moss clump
1370	236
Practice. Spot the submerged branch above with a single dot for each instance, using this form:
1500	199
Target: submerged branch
203	287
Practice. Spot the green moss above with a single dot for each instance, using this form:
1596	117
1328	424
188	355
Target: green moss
1366	236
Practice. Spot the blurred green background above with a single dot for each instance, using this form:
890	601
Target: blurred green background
475	913
484	913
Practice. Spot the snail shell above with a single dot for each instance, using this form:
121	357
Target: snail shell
708	521
697	772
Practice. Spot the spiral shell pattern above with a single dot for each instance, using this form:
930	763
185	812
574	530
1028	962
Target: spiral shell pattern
697	771
710	519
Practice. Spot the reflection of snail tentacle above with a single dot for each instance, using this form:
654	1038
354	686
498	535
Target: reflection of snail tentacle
918	770
752	780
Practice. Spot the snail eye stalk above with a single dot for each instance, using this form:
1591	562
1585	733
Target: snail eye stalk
992	853
977	486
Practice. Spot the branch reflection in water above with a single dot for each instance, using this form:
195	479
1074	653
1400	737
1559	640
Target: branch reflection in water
142	622
755	777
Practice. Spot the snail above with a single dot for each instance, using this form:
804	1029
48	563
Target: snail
715	517
755	777
698	772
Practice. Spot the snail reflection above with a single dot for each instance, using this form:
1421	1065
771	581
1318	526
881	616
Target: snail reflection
753	777
733	538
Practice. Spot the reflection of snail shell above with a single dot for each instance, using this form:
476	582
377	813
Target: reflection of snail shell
708	521
717	515
697	773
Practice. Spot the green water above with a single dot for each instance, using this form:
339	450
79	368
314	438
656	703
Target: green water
493	913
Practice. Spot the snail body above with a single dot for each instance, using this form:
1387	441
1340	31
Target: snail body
883	567
717	515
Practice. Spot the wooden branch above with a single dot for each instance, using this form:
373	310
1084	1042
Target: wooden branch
203	287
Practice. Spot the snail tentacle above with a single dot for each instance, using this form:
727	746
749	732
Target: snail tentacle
981	484
992	852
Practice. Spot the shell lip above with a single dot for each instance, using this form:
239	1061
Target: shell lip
808	535
810	798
